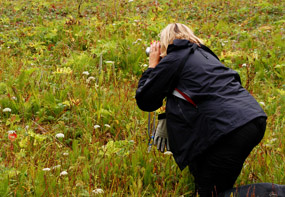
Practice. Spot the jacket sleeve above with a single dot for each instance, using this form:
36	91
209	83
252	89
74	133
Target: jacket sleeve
155	83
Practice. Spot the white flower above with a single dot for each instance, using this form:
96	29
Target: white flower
46	169
137	41
11	132
90	79
63	173
7	109
98	191
262	103
106	125
59	135
96	126
145	65
167	153
14	98
243	65
65	154
85	73
131	0
109	62
136	22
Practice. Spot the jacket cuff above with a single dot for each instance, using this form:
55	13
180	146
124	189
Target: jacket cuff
149	69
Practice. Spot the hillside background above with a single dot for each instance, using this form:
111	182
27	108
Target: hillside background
69	124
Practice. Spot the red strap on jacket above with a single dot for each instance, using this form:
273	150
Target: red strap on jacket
186	97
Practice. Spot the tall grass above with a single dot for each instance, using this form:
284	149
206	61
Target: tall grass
75	72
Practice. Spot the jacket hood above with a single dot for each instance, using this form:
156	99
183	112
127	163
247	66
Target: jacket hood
180	44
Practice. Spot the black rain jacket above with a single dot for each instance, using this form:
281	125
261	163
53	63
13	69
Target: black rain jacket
222	103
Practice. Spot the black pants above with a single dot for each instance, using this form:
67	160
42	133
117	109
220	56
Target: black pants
217	169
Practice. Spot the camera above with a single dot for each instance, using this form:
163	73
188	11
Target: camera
147	51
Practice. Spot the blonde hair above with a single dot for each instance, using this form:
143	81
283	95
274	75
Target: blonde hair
176	31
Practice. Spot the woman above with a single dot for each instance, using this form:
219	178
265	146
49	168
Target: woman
213	135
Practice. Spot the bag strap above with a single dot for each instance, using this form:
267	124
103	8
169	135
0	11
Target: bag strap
191	47
151	137
184	96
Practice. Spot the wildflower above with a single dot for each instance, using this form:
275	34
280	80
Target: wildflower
11	132
98	191
96	86
85	73
145	65
46	169
12	135
243	65
131	1
14	98
109	62
64	70
167	153
106	125
137	41
96	126
7	110
65	154
262	103
63	173
59	135
90	79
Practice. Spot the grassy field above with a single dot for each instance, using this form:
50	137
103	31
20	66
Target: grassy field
69	124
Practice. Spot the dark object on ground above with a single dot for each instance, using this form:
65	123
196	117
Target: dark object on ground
256	190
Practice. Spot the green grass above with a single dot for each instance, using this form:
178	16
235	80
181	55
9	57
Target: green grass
46	47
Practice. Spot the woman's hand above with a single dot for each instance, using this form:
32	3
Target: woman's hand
154	56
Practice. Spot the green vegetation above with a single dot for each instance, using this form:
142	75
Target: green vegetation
72	67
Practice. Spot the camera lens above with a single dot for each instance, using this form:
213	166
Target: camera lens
147	51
